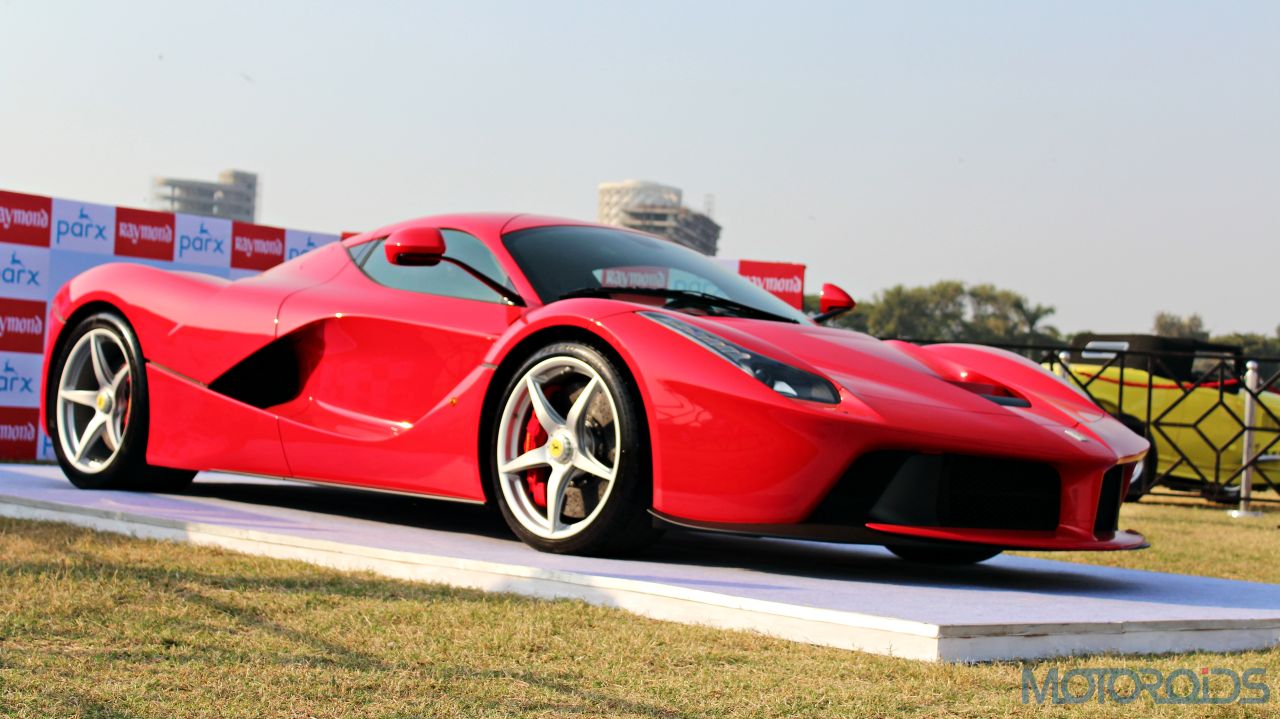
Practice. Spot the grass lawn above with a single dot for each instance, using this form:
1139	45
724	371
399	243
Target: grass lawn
98	625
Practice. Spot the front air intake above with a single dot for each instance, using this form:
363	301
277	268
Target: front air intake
944	490
1107	520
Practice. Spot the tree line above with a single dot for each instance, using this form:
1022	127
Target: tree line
953	311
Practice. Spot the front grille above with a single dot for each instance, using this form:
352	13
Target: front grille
1108	519
944	490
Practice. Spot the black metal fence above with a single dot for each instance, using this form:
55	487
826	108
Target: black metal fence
1212	416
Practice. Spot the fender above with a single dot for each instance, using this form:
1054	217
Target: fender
1030	379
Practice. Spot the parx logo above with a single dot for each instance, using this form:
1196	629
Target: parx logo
307	247
203	241
17	273
14	382
24	274
298	243
83	227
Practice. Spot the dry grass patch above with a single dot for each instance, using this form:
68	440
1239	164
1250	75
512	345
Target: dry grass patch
98	625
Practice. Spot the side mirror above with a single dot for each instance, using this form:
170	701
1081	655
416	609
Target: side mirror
424	247
417	246
833	302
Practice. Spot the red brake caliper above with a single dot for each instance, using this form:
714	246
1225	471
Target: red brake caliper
534	437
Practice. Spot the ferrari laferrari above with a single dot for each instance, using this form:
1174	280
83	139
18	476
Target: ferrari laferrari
597	385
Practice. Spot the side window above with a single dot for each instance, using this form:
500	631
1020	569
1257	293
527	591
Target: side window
443	279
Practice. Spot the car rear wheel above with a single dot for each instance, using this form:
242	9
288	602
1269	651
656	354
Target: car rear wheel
569	462
943	555
97	399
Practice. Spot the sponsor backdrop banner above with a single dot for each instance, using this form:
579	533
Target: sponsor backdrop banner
783	279
44	242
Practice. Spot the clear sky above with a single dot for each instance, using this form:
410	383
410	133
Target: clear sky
1109	158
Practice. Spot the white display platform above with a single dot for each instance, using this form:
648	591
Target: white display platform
835	595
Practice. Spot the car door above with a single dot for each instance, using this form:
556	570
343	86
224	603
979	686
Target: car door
389	354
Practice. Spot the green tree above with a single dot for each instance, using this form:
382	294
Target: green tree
950	310
1167	324
937	311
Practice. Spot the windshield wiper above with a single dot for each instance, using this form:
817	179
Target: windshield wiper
704	298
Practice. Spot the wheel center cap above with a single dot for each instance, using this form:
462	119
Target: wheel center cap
104	401
560	448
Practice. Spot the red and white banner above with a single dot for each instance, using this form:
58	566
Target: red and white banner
46	241
24	219
143	233
22	325
256	247
783	279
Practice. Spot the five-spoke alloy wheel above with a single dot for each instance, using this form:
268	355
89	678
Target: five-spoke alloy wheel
93	402
570	468
97	403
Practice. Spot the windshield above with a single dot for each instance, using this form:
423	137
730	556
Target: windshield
560	261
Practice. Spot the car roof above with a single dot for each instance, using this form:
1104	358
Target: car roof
486	225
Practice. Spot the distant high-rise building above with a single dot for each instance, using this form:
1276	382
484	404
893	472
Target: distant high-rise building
659	210
234	196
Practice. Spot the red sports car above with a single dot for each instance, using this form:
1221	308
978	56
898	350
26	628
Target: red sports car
596	384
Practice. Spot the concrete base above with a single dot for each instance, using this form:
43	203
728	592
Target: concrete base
842	596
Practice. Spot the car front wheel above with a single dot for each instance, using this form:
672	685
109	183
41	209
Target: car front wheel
569	461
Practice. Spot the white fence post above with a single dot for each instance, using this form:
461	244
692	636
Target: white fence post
1250	415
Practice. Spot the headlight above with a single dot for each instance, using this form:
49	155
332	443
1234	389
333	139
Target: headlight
781	378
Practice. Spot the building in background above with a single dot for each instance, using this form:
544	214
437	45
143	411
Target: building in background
234	196
659	210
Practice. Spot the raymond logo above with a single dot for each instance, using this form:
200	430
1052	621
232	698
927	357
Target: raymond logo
21	325
25	219
637	277
781	279
256	247
143	233
18	434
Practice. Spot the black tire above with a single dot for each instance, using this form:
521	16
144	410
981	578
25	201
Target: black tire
623	524
1220	494
1144	482
945	556
127	468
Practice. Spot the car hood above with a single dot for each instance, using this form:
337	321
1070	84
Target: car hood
883	375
